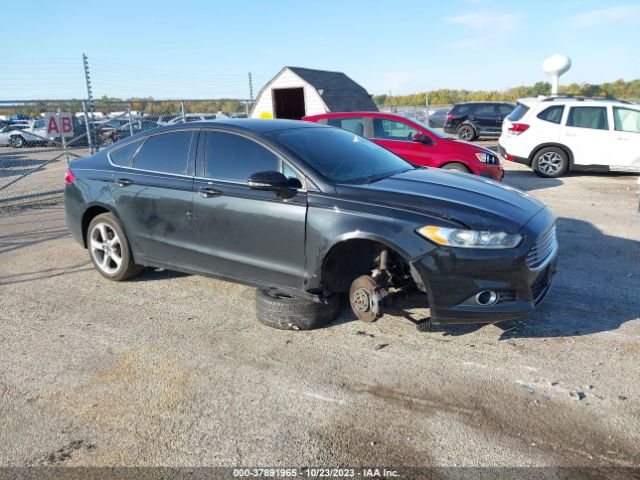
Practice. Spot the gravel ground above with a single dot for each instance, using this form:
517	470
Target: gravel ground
172	369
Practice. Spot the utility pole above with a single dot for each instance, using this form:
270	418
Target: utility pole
87	78
250	87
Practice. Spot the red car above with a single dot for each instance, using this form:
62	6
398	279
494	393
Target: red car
415	142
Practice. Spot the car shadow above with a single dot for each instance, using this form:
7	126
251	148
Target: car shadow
152	274
595	289
528	181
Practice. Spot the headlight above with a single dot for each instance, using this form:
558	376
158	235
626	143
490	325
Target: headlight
456	237
487	158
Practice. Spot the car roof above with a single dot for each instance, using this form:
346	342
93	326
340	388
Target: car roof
252	124
560	99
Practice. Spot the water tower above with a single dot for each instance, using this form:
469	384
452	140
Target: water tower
554	66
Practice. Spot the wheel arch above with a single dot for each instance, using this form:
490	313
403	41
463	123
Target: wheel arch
359	251
91	212
449	162
562	147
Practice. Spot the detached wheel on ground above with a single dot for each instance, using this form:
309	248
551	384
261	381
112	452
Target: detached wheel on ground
466	132
285	312
109	249
551	162
456	166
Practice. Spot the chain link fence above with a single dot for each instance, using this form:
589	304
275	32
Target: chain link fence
33	163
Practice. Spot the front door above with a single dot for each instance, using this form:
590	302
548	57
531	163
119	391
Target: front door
252	235
625	152
587	133
153	194
398	137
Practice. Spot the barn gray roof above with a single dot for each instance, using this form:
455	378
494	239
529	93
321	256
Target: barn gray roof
339	92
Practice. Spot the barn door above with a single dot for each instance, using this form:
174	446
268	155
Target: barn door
288	103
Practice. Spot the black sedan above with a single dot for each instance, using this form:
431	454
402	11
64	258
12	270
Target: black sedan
305	212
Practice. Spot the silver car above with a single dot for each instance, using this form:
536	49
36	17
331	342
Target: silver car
5	131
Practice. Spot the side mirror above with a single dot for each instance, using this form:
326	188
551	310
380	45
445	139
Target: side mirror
422	138
273	181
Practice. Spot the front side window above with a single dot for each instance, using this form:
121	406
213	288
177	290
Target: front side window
353	125
235	158
552	114
588	117
626	120
166	153
385	129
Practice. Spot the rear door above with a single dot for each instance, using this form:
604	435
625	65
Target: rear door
485	117
153	195
503	111
587	133
251	235
398	137
625	152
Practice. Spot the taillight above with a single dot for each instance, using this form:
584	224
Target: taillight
69	176
449	118
518	128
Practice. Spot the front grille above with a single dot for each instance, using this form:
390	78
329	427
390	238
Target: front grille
542	249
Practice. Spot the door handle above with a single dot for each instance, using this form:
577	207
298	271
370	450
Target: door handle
622	138
207	192
570	134
124	182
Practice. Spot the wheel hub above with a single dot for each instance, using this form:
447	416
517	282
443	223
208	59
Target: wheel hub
361	300
365	297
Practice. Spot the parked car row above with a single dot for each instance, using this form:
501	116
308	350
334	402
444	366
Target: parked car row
23	133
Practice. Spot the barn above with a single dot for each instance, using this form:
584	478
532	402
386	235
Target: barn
295	92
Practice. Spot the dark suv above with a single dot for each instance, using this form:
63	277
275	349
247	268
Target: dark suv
477	119
306	212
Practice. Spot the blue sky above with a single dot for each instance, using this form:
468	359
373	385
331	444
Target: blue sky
204	49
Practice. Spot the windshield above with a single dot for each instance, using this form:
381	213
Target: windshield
341	156
433	132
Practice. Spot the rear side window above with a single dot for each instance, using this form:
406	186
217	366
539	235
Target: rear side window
485	109
588	117
552	114
626	120
166	153
518	112
122	156
353	125
235	158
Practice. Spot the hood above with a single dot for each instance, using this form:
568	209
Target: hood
474	201
469	146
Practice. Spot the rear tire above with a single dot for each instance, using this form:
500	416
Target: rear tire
467	133
551	162
109	249
285	312
17	142
458	167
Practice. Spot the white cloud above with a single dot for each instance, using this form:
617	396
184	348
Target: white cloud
492	27
603	16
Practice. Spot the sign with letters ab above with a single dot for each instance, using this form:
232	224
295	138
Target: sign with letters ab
58	124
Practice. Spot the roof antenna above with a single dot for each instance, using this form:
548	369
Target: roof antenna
554	66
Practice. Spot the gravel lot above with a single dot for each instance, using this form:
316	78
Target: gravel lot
174	370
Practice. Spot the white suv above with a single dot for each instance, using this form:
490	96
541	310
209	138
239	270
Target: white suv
556	134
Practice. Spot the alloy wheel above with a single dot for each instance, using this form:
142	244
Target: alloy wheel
550	163
106	248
